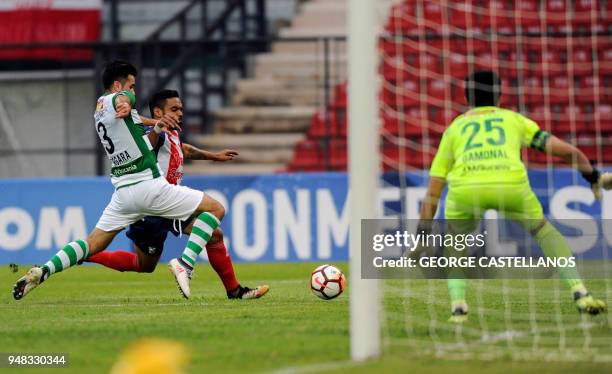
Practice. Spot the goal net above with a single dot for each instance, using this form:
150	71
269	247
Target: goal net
555	61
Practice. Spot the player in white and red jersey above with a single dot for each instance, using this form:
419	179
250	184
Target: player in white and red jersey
140	188
149	234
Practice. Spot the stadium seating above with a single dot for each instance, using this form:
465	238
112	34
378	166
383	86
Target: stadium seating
551	78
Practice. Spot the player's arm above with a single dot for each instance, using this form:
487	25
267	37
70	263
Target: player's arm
543	141
432	198
440	167
123	102
573	156
167	123
570	154
194	153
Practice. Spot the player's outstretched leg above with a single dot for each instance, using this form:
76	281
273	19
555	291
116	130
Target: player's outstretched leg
70	255
221	262
66	257
553	244
209	215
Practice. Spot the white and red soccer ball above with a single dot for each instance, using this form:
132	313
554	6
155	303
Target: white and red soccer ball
327	282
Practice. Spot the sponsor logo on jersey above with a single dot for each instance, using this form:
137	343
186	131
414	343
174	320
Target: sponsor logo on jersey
120	172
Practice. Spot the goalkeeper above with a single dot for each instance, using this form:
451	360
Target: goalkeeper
479	157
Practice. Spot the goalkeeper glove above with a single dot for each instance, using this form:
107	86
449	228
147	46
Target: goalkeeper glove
594	180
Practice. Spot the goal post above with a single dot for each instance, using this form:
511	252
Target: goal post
363	172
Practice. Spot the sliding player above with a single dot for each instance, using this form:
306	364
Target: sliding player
499	181
140	188
149	234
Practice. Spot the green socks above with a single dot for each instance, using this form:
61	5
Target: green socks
66	257
201	232
553	245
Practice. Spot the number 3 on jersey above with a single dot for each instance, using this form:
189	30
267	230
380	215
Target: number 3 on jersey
110	147
490	128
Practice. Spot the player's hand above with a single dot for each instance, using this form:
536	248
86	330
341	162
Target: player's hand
595	180
123	109
226	155
170	122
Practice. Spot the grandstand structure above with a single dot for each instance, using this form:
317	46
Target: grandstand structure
268	77
555	59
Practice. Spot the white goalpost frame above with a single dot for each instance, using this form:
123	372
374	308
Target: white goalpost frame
363	173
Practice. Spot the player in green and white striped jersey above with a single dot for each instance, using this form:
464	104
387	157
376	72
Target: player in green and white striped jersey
140	188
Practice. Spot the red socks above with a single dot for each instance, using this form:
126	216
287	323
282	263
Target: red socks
222	263
118	260
217	256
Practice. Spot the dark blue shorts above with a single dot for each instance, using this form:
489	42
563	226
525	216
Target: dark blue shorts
150	233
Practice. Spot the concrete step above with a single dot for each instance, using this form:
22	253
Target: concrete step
253	148
288	74
321	18
284	97
321	32
242	141
217	168
299	60
245	119
314	47
274	92
304	65
323	5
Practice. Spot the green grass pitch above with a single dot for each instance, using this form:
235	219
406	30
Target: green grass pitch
92	314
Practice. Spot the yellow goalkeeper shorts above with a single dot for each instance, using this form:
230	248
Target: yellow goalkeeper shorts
512	201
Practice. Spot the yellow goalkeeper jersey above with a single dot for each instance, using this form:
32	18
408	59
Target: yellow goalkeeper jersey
483	146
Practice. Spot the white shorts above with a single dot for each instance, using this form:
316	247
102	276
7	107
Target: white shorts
154	197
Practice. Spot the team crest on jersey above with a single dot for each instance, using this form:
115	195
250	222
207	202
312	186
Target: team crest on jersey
100	105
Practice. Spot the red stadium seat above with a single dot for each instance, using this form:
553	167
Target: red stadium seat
571	119
532	89
527	13
401	94
398	46
411	122
499	15
605	59
582	61
433	15
464	46
332	123
588	90
306	156
402	19
555	12
585	11
338	158
437	89
340	96
462	14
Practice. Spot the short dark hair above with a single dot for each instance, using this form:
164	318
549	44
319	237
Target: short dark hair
483	88
116	71
158	99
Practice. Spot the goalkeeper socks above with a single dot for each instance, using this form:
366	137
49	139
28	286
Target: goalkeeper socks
553	244
201	232
66	257
222	263
117	260
456	289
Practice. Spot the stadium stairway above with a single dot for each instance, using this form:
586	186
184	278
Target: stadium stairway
272	111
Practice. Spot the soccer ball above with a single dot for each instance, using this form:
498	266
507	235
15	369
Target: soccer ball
327	282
